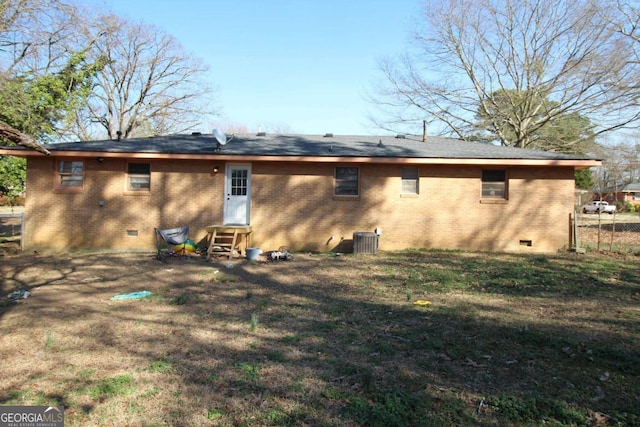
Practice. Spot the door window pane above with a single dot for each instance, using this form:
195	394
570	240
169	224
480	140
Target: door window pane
239	182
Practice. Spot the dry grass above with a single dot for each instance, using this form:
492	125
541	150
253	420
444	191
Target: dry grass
321	340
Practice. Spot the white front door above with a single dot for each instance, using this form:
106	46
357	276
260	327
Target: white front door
237	194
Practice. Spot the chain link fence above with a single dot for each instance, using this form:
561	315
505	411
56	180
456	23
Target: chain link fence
11	232
617	232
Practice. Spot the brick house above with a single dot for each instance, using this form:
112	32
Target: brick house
627	193
299	191
631	193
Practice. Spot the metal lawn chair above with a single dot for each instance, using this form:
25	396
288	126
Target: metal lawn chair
170	237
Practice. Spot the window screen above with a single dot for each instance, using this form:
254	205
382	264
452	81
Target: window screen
346	181
409	181
139	175
71	174
494	183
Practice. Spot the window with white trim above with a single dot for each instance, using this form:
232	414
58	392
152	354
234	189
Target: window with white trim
494	184
346	181
410	181
138	176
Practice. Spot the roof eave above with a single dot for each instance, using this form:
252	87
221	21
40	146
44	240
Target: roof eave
577	163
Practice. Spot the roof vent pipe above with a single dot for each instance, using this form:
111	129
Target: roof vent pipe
119	133
328	135
424	131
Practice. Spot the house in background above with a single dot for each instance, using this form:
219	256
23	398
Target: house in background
631	193
627	193
300	191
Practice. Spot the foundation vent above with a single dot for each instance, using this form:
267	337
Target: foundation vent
365	243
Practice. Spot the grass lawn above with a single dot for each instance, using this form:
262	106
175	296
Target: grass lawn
325	340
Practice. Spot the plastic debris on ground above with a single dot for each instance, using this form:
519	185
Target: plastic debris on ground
280	254
421	302
132	295
19	294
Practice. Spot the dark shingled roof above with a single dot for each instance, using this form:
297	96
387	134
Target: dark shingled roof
633	187
313	146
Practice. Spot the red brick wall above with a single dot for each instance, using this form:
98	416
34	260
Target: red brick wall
181	194
292	205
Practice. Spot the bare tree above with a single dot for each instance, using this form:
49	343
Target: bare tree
610	176
620	164
277	128
629	24
232	127
37	37
149	86
519	64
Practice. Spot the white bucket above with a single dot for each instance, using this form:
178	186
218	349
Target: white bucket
253	253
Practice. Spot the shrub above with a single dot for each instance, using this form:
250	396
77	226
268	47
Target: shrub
11	201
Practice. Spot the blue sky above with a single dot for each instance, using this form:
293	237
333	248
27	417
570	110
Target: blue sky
299	65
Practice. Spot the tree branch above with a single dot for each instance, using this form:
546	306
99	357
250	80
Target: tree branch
9	133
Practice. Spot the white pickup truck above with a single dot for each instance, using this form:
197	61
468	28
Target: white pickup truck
599	206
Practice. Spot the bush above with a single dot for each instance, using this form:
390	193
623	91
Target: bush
11	201
13	173
628	206
631	207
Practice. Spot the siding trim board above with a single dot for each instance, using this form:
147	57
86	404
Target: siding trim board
580	164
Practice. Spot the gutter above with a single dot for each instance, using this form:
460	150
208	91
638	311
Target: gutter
577	163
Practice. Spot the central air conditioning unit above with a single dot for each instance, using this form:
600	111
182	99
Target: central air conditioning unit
365	243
